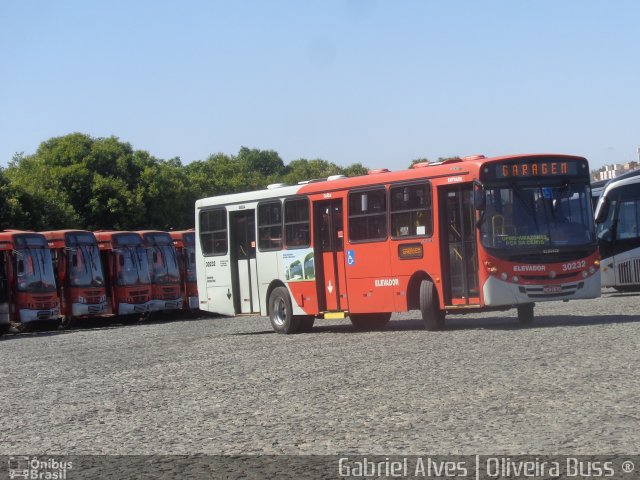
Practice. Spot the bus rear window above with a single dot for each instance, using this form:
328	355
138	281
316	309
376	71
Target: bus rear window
296	223
213	232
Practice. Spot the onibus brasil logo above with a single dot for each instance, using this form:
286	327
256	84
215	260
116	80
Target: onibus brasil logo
34	468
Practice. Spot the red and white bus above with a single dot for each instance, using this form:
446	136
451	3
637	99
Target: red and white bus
27	282
79	276
166	291
459	236
126	269
185	243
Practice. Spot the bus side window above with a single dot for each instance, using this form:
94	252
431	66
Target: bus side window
296	223
411	211
213	232
270	226
368	215
628	220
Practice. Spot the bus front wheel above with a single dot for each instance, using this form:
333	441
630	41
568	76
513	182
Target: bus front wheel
432	316
525	313
281	312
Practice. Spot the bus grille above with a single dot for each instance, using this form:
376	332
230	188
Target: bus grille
629	272
40	298
169	293
46	315
548	292
42	306
139	296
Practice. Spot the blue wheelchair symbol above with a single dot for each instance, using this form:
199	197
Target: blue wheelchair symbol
351	257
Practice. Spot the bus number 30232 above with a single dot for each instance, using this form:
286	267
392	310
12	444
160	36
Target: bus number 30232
574	265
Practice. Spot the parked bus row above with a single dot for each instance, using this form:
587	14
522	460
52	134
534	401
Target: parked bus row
458	236
64	275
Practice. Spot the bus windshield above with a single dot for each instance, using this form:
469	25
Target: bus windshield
532	218
84	266
132	266
35	270
164	264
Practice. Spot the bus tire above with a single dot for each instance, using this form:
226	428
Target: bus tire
432	316
281	312
369	321
525	313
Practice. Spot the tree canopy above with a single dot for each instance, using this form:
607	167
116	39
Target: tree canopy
78	181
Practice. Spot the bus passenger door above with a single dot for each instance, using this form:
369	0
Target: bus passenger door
244	271
329	250
458	246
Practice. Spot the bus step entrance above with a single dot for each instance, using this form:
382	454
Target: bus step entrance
334	315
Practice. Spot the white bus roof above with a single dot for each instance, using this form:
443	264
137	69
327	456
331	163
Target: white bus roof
245	197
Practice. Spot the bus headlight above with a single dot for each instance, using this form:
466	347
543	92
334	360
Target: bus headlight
584	274
552	274
504	276
592	270
515	279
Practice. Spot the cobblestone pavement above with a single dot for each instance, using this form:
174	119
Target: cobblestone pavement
485	385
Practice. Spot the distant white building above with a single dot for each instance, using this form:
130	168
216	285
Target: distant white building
611	171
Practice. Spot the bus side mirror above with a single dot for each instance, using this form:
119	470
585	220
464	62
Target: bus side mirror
603	212
20	266
155	257
74	260
121	260
479	198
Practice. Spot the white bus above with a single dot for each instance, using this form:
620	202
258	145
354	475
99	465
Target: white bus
618	231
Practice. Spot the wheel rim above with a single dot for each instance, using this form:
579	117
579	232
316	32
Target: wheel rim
279	312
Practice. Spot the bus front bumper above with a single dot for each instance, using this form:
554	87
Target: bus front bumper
131	308
28	316
157	305
499	292
84	309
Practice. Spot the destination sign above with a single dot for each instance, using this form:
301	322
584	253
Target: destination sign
534	168
410	250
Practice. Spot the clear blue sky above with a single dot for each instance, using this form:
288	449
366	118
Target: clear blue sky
377	82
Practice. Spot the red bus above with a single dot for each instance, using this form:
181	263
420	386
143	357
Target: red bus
458	236
185	243
164	270
27	282
79	276
126	269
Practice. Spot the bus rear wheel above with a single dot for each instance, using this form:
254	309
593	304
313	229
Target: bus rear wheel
525	313
369	321
281	312
432	316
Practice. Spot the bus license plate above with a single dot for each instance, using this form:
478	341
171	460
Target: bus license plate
552	289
